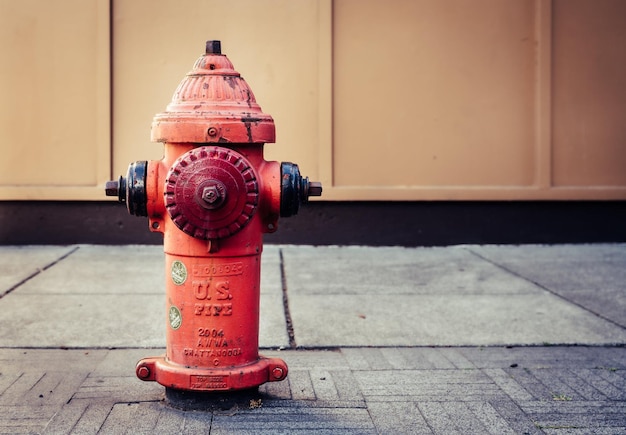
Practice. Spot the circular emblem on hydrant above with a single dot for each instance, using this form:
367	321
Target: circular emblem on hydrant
175	317
179	272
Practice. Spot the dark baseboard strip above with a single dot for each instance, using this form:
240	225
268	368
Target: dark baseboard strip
371	223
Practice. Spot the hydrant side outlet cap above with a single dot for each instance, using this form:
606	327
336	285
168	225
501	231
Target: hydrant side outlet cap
213	104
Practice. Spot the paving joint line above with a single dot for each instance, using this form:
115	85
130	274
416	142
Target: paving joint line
39	271
288	319
543	287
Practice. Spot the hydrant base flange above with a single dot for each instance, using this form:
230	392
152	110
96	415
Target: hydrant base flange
211	379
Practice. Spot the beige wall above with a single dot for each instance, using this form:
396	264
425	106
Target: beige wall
401	100
54	99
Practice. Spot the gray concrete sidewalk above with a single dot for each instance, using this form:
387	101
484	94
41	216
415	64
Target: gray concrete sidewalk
465	339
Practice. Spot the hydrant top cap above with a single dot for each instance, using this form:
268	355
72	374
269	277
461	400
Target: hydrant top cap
213	104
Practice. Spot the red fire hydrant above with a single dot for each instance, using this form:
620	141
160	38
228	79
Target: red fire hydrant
212	196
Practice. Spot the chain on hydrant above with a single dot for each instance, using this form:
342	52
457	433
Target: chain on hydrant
212	196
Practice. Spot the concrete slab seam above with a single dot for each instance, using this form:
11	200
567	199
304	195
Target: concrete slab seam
288	319
39	271
543	287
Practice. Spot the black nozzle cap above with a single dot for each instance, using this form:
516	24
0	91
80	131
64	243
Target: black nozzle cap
136	195
213	47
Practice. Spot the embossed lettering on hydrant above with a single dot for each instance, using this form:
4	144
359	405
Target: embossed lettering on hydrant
227	269
207	289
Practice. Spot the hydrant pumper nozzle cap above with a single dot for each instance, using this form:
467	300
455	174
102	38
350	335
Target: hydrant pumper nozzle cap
213	104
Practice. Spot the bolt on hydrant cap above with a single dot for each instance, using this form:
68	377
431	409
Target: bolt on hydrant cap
213	104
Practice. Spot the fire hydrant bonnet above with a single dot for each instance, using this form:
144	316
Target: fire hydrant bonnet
213	104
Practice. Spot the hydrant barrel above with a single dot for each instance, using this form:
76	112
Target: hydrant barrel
212	196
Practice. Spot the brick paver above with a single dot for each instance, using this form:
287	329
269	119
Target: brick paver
352	390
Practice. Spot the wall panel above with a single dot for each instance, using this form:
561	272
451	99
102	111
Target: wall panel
273	44
437	100
54	109
433	93
589	93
